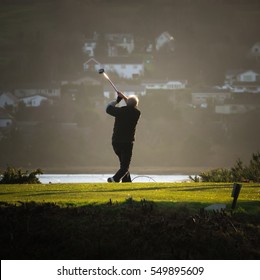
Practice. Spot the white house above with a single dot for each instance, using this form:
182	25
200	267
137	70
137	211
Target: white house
33	101
247	76
165	85
8	99
164	39
233	76
89	47
124	67
239	81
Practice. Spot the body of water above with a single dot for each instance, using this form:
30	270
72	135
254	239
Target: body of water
102	178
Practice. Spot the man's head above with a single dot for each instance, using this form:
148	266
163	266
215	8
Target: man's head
132	101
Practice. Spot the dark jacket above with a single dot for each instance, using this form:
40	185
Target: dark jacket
126	119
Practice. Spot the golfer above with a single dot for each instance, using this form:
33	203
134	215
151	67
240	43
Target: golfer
123	137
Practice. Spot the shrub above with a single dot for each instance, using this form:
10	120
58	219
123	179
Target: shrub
238	173
217	175
16	176
253	171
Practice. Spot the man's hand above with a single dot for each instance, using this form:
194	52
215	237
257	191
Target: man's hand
121	96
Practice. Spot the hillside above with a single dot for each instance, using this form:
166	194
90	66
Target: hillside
42	40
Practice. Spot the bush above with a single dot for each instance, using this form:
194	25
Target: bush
238	173
16	176
217	175
253	172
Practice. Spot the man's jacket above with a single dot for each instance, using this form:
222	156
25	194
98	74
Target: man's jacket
126	119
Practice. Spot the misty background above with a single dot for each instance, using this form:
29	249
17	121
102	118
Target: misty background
41	42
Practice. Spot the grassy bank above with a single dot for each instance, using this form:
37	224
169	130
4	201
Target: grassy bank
128	221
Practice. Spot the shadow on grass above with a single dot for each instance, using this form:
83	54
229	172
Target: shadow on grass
195	189
124	189
129	230
53	192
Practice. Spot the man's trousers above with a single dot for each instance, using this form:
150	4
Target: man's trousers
124	153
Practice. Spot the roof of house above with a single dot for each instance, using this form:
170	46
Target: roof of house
34	96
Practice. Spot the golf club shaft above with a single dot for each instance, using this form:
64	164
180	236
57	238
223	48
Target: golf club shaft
112	84
101	71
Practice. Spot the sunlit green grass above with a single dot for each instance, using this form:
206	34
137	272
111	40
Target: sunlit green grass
99	193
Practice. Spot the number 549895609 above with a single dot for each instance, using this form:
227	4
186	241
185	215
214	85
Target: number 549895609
183	270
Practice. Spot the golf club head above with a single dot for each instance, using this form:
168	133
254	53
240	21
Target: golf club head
102	71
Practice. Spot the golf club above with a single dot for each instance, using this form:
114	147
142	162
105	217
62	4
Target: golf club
102	71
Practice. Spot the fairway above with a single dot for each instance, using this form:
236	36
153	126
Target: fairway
99	193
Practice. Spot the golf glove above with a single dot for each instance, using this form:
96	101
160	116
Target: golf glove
118	99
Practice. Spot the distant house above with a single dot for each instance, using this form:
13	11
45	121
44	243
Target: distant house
8	99
124	67
233	76
247	76
127	89
5	118
89	47
250	87
48	90
91	65
164	39
165	85
242	81
33	101
119	43
205	97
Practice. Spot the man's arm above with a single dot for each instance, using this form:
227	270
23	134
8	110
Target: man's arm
111	108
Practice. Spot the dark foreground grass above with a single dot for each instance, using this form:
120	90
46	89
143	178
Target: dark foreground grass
128	230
